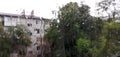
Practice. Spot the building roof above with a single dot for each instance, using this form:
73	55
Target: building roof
18	15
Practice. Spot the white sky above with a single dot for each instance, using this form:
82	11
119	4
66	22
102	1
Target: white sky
42	8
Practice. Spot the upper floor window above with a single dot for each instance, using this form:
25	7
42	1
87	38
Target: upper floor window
36	22
38	31
29	24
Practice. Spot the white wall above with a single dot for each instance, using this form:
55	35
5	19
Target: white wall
9	21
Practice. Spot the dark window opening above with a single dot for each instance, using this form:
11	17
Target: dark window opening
38	31
36	22
30	33
38	47
29	24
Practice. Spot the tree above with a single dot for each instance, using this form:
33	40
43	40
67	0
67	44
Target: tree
52	37
111	33
20	35
20	38
110	8
63	35
69	28
75	23
12	40
5	44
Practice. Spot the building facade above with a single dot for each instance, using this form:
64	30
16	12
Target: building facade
35	25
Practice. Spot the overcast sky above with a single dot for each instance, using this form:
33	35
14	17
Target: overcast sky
42	8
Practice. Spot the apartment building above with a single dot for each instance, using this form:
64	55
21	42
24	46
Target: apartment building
35	24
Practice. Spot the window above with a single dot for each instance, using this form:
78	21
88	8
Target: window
29	24
38	47
36	22
38	31
30	33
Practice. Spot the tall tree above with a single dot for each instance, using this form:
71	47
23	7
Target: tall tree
73	20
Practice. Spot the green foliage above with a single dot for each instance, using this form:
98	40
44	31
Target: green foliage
5	47
19	35
12	38
71	18
63	35
111	33
52	37
83	46
78	34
